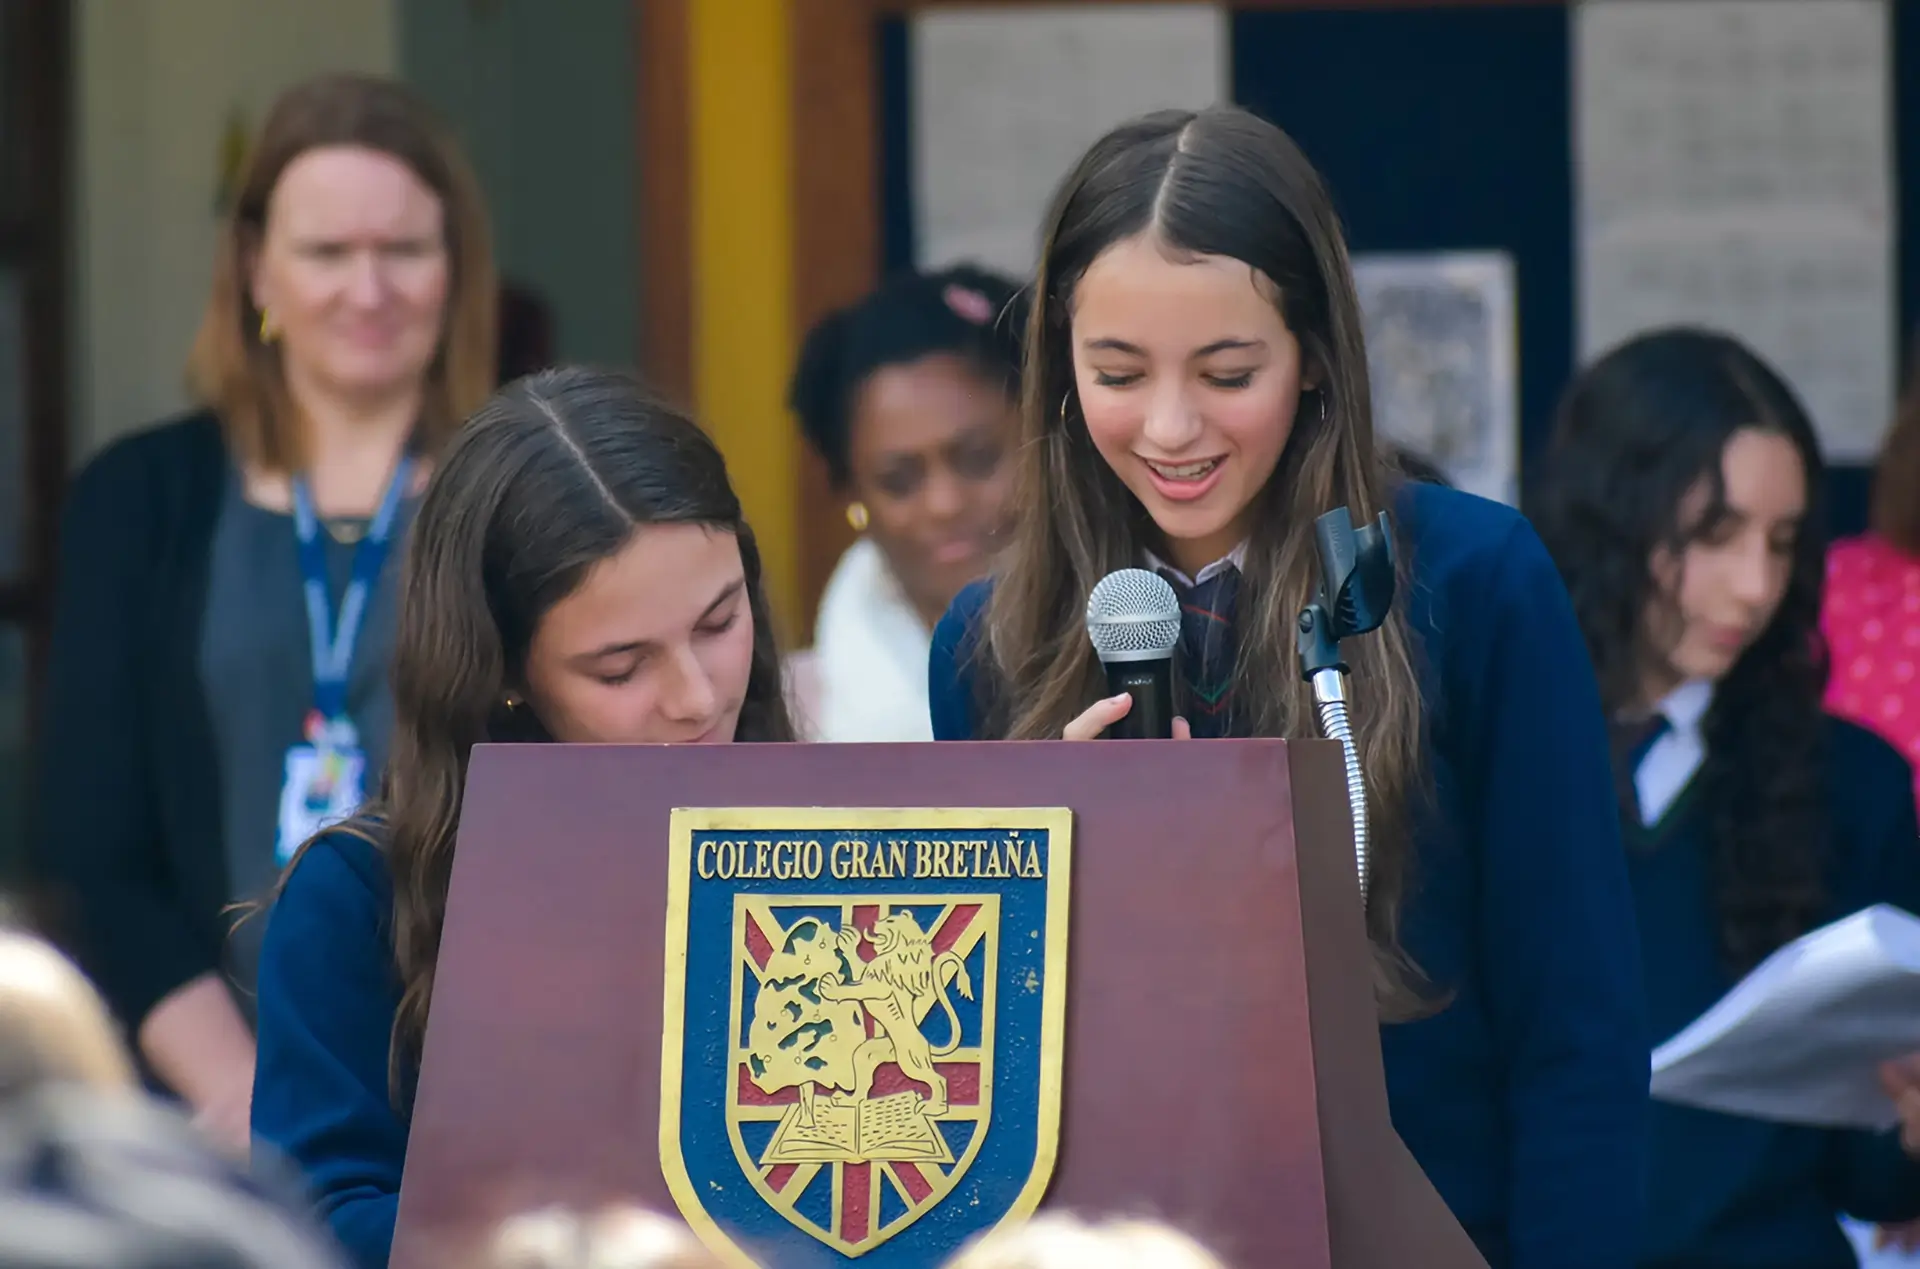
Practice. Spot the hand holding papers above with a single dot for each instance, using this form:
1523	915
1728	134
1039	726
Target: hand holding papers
1801	1039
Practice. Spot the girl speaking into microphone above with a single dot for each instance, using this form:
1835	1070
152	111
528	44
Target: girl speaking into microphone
1195	395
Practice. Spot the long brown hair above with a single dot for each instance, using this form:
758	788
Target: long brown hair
551	476
1222	183
239	376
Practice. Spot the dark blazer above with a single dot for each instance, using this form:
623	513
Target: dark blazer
126	838
1525	1098
328	995
1729	1192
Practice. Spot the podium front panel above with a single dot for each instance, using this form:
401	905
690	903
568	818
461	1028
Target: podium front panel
1189	1086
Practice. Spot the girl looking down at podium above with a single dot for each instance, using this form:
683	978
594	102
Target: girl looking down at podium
579	571
1196	394
1682	500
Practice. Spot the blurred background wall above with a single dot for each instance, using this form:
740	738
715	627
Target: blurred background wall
688	184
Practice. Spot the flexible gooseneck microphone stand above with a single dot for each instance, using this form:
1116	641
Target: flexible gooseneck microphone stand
1355	595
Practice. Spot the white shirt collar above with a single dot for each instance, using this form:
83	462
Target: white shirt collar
1686	706
1676	757
1236	558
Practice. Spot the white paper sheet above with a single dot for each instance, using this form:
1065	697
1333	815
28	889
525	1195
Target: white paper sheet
1799	1039
1860	1234
1441	348
1006	100
1734	170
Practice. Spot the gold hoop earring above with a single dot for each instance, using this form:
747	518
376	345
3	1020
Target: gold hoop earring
857	516
1064	402
268	333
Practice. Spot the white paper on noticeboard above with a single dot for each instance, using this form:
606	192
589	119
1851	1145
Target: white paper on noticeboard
1442	361
1006	100
1734	171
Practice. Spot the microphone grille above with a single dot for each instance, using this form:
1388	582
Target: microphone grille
1133	615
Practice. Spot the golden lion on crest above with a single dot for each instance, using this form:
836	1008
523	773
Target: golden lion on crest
809	1028
899	987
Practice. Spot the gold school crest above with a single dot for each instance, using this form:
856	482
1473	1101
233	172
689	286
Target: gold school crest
863	1026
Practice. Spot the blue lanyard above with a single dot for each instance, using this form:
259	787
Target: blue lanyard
333	644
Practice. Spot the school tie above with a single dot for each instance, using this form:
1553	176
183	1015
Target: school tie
1207	649
1632	742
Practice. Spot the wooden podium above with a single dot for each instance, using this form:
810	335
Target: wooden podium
1221	1063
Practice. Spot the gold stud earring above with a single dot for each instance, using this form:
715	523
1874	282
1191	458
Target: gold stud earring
511	701
857	516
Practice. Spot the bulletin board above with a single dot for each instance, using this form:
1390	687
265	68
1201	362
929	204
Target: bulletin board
1439	127
1442	125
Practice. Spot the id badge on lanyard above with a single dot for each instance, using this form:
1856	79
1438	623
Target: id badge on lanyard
325	774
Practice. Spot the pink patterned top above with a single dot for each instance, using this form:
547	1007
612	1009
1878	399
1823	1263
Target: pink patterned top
1872	625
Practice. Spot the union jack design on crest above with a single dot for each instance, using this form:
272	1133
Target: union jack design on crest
881	1074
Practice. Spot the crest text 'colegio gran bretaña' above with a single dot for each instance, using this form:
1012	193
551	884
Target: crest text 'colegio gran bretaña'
863	1027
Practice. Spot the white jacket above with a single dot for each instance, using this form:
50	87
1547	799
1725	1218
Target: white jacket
868	664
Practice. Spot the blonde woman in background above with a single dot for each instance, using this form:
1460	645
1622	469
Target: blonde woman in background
226	597
1061	1241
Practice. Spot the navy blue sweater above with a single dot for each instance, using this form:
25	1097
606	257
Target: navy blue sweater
1526	1098
1734	1193
328	992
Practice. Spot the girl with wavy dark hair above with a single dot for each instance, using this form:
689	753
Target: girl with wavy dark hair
1681	499
579	571
1195	396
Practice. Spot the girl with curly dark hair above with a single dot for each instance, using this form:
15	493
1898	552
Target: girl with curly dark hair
1681	499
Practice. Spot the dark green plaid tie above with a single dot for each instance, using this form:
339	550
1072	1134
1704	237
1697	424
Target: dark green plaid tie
1207	650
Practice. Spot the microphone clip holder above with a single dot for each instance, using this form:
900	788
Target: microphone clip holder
1357	581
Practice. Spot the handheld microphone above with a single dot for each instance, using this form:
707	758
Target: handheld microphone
1133	619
